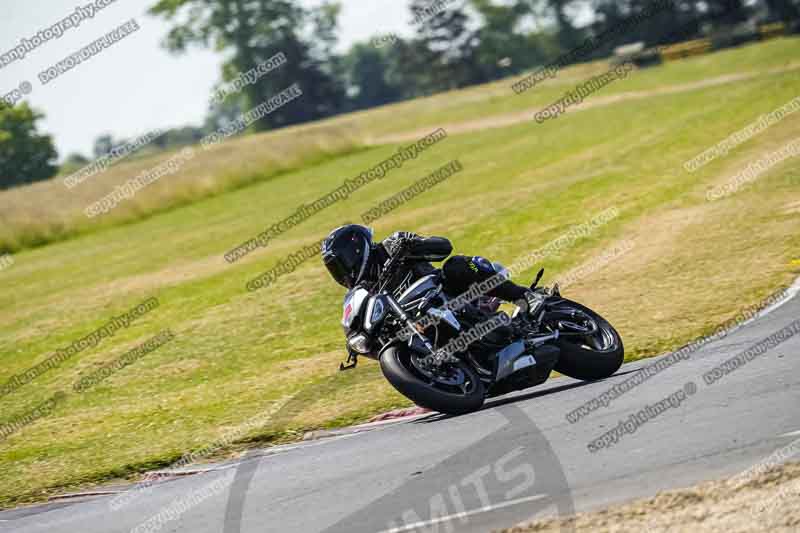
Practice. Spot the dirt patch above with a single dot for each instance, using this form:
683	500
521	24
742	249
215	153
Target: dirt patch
791	208
768	503
678	263
172	275
656	234
517	117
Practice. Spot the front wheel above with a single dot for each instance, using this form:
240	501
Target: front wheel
454	389
591	348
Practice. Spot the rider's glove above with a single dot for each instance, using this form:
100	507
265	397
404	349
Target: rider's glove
532	304
399	242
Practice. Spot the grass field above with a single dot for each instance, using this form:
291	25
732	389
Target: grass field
235	354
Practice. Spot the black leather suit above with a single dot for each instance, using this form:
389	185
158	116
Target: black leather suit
459	271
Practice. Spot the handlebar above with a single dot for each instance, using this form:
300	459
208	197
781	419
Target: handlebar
388	266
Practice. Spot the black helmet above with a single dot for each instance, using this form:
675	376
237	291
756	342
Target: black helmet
346	253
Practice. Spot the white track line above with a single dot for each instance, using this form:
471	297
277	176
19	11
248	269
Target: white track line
791	292
464	514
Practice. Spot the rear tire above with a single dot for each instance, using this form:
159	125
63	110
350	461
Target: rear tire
401	373
584	362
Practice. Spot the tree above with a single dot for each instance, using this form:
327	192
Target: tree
221	114
568	35
76	158
366	68
103	144
408	69
734	9
785	10
654	22
74	161
254	31
448	46
650	21
26	156
502	47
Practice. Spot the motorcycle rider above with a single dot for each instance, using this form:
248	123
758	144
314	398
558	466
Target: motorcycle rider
352	258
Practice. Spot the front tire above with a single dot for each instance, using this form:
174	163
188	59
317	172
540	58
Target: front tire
588	358
426	391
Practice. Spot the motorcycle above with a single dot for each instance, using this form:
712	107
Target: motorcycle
451	358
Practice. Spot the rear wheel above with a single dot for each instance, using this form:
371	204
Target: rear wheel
454	389
591	348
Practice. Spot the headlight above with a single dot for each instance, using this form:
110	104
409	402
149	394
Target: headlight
376	310
359	343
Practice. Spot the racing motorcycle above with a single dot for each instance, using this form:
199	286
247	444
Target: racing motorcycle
411	331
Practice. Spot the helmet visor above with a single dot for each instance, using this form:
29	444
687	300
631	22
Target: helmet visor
347	263
339	272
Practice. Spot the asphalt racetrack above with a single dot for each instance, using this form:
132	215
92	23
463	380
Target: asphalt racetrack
517	458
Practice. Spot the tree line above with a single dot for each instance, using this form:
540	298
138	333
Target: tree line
453	44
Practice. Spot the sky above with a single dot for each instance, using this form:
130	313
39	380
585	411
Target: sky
135	85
